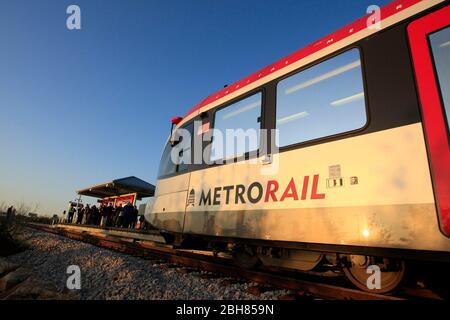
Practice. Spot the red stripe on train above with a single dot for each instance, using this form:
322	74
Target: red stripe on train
433	114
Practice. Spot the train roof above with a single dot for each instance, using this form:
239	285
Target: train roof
353	28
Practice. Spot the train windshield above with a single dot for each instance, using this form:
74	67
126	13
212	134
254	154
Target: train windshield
440	47
175	159
167	166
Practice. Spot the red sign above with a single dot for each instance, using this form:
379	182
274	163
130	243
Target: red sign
120	200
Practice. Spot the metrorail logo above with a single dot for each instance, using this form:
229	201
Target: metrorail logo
256	192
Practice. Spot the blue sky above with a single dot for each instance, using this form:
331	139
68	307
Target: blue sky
85	106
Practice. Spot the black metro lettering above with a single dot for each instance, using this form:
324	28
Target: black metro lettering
227	189
216	200
250	197
204	198
240	190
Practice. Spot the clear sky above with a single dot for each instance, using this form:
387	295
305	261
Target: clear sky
86	106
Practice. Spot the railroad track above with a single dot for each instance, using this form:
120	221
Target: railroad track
151	245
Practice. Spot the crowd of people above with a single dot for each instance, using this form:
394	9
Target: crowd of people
104	215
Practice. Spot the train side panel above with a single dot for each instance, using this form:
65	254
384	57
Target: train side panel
370	186
167	210
386	199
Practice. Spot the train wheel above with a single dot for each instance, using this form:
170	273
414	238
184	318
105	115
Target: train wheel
390	278
245	257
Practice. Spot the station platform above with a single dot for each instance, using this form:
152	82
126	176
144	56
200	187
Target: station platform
130	234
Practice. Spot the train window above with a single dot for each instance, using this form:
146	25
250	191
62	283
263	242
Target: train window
440	47
321	101
167	166
237	129
186	151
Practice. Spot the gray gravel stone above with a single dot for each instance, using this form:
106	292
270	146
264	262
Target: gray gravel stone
112	275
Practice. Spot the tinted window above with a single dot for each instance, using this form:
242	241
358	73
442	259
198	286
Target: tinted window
167	166
187	150
240	117
440	47
321	101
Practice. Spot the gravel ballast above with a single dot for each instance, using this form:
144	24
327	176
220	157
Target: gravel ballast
107	274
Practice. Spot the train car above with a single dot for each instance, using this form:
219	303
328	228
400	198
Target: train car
350	166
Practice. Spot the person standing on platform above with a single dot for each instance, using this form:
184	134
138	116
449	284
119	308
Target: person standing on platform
95	215
134	217
87	215
109	214
119	216
142	223
55	219
70	214
80	214
103	216
128	212
105	212
101	210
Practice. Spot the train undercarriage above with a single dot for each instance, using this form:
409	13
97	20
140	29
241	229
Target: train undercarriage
370	273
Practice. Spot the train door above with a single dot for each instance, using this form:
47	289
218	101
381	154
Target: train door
430	48
169	205
218	202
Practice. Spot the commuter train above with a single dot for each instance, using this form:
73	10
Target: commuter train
351	162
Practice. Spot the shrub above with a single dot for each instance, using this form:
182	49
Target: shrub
8	245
